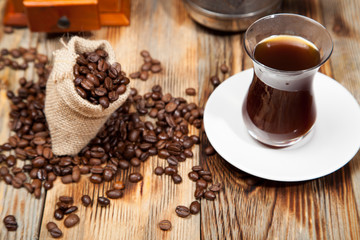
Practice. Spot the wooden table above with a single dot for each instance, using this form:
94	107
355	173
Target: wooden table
248	207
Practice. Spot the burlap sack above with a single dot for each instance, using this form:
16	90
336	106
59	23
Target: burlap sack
72	120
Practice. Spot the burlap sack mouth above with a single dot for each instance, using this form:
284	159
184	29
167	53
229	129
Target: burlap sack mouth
74	121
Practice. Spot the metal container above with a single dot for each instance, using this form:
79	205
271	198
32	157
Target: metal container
229	15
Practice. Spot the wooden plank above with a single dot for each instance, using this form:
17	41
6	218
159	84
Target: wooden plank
168	35
327	208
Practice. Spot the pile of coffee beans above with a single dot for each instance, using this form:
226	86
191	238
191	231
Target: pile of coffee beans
150	65
97	80
64	207
126	140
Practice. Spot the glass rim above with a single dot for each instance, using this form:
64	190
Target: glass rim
289	71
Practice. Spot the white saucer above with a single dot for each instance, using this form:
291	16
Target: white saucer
334	141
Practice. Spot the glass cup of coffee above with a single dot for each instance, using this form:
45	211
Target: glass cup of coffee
287	50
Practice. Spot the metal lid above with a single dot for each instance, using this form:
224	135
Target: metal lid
235	7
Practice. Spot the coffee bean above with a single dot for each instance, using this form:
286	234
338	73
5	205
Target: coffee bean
207	178
10	223
108	175
103	201
144	75
215	81
146	66
114	193
204	172
144	53
170	170
71	220
172	160
65	179
104	102
70	210
123	164
156	68
58	214
170	107
66	199
165	225
135	177
96	178
201	183
159	171
195	207
190	91
182	211
86	200
209	151
209	195
224	68
135	75
113	96
176	178
194	176
135	162
76	174
199	193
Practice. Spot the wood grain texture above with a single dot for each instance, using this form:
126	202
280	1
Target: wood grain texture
248	207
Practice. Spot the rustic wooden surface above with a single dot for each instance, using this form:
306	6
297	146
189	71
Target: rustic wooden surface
248	208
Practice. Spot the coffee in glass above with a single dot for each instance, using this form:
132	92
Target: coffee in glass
279	108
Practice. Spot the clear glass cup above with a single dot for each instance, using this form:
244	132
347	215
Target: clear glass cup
279	108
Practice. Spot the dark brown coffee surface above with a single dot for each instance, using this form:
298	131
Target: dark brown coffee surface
288	53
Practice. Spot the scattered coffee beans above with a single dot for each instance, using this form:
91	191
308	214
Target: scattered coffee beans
97	80
150	65
10	223
165	225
